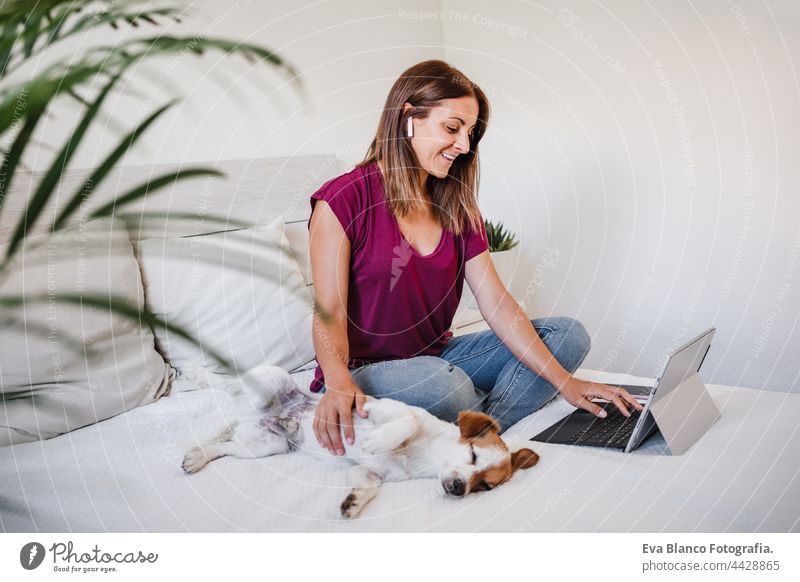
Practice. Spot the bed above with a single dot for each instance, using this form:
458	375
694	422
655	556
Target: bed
123	474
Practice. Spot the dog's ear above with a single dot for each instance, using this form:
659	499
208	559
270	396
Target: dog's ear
523	459
476	424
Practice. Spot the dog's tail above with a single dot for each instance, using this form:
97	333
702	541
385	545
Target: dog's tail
267	386
262	386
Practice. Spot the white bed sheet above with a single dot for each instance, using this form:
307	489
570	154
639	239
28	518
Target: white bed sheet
124	474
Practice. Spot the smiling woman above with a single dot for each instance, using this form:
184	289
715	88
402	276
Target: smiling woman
391	244
446	115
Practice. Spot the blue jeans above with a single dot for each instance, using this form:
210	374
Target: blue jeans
477	372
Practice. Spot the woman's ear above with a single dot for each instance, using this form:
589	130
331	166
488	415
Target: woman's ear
410	122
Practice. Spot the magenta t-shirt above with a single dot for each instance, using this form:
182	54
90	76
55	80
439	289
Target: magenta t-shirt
400	304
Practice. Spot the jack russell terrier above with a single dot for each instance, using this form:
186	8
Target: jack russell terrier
394	443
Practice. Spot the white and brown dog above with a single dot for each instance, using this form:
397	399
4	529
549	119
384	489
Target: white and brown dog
394	443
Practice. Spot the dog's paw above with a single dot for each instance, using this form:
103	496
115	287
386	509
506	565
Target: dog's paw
380	410
387	438
194	460
351	506
377	440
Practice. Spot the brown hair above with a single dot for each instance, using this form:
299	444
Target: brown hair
455	198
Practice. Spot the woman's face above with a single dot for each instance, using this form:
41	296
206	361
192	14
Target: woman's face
443	135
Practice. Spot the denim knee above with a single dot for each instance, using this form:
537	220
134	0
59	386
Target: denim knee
429	382
579	336
449	388
572	340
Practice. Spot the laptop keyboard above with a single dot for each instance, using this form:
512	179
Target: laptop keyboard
612	431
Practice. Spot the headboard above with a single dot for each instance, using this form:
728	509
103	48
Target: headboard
252	192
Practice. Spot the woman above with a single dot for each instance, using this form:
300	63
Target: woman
391	244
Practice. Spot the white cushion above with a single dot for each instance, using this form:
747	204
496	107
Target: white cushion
63	365
239	292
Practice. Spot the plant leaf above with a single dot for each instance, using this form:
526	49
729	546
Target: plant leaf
44	331
121	307
45	23
8	33
105	167
32	23
223	220
498	237
12	159
47	186
147	187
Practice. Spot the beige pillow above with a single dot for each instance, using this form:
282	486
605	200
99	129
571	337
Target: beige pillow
64	365
239	292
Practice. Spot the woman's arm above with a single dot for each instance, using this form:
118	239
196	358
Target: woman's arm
511	324
329	249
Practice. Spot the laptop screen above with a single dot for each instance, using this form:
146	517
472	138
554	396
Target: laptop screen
683	362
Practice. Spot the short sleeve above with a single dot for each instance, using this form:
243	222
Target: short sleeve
346	200
476	242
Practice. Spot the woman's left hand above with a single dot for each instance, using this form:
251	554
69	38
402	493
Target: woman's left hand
579	393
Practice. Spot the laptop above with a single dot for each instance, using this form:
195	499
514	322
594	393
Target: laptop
678	406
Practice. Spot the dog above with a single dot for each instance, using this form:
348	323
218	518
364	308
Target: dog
395	442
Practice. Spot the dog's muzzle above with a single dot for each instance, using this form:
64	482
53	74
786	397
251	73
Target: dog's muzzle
454	487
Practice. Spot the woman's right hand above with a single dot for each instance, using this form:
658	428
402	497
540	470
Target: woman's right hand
334	412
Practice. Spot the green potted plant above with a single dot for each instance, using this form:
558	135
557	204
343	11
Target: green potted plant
499	239
87	77
501	243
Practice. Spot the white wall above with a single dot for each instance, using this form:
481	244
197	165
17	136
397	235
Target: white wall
348	55
647	152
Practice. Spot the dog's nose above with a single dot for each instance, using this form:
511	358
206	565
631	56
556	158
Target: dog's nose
454	487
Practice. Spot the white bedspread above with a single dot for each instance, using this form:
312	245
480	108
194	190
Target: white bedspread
124	475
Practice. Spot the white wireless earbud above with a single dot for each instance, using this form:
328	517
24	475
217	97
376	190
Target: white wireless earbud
410	128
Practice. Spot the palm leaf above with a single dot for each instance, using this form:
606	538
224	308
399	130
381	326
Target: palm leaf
138	48
56	24
72	342
47	186
194	217
26	30
8	32
144	189
144	317
35	94
29	40
160	219
44	23
64	77
14	156
105	167
115	60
